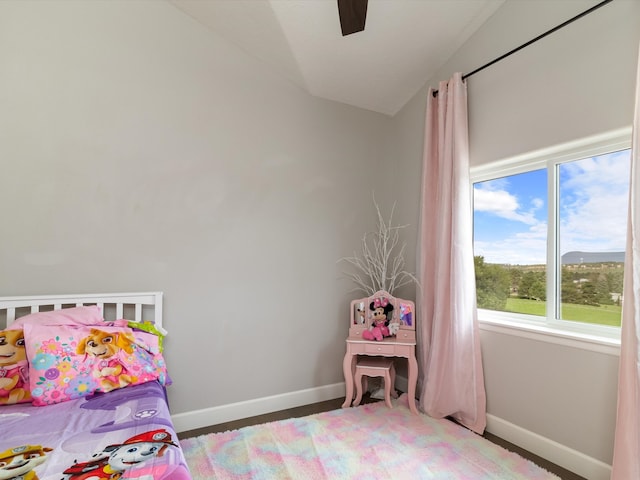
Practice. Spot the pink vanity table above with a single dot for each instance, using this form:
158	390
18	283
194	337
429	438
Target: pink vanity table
402	344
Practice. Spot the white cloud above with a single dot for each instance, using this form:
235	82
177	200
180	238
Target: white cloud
504	205
594	201
528	247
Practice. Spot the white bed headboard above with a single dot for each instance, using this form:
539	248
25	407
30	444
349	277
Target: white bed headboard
132	306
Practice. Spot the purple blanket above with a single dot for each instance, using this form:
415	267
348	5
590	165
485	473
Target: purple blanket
126	433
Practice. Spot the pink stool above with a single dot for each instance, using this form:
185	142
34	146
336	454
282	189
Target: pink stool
375	367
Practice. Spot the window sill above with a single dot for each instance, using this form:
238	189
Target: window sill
508	325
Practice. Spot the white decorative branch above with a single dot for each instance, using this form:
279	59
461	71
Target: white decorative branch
380	266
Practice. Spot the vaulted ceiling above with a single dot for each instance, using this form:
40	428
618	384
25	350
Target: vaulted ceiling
404	43
380	69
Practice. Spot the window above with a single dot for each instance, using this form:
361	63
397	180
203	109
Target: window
550	235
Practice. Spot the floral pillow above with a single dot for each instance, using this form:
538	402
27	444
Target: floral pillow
72	361
14	371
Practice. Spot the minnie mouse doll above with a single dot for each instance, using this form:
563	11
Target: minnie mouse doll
380	321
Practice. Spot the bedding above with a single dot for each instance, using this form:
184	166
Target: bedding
15	385
82	398
86	315
126	433
71	361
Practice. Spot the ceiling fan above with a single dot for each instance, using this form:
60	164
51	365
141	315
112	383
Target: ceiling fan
353	15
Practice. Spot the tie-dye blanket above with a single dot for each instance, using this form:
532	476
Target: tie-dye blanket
370	442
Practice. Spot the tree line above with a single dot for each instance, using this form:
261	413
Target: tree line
585	284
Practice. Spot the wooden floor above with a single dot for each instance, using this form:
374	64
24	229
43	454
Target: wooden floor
337	403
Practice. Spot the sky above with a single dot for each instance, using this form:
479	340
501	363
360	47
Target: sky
510	214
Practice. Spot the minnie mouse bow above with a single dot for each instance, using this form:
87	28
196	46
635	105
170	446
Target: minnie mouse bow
380	302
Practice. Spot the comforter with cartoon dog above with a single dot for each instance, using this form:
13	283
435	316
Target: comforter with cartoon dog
126	433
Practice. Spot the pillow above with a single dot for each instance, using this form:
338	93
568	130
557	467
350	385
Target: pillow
14	372
89	315
72	361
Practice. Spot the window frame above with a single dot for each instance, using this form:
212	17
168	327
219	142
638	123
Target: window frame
601	338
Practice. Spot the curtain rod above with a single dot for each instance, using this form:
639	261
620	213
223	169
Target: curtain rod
539	37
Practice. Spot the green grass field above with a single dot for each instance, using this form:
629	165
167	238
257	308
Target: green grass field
603	315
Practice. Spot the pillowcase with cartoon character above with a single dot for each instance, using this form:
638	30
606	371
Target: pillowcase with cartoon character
14	371
72	361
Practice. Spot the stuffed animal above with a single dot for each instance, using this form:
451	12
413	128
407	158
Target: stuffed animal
380	308
14	373
110	371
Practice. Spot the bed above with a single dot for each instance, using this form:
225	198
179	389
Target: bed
89	401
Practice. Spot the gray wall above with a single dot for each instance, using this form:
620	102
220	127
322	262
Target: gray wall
140	151
577	82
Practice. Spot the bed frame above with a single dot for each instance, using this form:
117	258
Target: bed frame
137	307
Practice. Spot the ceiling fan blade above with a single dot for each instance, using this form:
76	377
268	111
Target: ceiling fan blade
353	15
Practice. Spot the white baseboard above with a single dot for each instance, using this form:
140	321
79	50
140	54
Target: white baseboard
402	383
183	422
573	460
206	417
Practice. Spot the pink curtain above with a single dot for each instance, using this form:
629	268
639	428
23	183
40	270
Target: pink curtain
626	454
452	381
